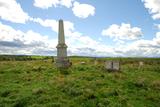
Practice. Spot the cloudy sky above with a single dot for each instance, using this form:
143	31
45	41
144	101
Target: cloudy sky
128	28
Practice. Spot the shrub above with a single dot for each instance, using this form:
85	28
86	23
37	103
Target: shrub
5	93
22	102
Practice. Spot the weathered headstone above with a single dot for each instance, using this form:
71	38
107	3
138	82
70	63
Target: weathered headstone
112	65
62	60
95	62
83	63
141	63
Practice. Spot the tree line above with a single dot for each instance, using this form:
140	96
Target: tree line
23	57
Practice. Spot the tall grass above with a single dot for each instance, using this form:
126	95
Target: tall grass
38	83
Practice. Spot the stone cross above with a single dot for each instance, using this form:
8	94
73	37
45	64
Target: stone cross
62	60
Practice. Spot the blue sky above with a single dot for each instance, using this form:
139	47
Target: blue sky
128	28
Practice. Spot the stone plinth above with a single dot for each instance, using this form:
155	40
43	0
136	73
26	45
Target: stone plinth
63	62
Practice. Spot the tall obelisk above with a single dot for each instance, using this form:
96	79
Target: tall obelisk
62	60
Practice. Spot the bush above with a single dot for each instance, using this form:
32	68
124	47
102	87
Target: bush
5	93
22	102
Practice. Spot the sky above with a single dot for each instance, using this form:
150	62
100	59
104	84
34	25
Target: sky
102	28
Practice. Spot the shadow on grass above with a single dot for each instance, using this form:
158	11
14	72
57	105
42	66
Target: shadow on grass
64	71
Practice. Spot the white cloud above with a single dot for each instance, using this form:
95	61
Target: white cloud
45	4
53	24
79	44
123	32
17	42
139	48
79	10
157	38
10	10
67	3
83	10
10	34
69	30
154	7
75	40
143	48
157	26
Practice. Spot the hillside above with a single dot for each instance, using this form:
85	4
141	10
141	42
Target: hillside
37	83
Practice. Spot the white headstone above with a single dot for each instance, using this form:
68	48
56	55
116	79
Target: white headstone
83	63
141	64
116	66
95	62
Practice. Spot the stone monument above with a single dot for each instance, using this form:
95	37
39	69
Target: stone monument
141	64
112	65
62	60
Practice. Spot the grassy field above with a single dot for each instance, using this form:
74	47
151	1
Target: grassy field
37	83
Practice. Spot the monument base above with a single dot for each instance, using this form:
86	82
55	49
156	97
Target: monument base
63	63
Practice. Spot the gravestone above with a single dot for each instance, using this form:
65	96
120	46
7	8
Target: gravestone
112	65
62	60
95	62
83	63
141	63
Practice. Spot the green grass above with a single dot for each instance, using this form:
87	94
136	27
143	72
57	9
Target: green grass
39	84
